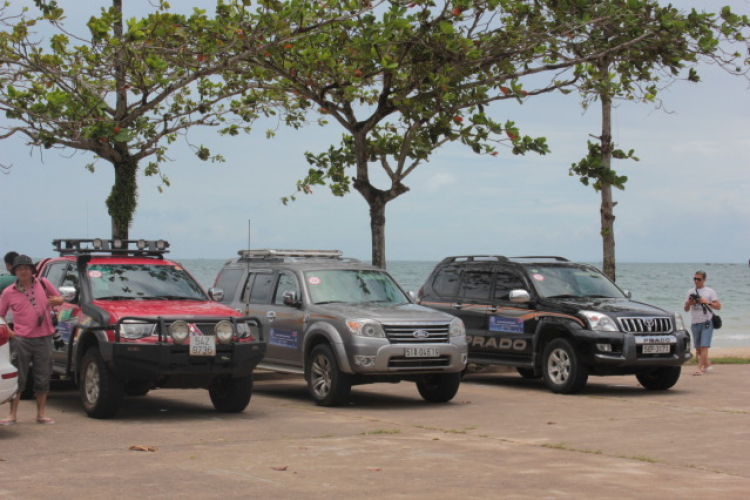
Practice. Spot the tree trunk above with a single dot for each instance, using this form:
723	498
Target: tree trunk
377	231
123	198
607	208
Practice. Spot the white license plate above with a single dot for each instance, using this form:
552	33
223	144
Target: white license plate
203	346
422	352
655	349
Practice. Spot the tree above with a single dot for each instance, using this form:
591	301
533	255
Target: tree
129	89
406	79
675	43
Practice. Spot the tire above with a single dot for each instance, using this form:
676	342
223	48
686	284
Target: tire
562	369
231	394
101	391
137	388
527	373
439	387
659	379
326	383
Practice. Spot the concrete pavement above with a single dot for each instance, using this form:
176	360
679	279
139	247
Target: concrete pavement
501	437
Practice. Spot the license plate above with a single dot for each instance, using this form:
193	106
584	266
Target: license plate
655	349
422	352
203	345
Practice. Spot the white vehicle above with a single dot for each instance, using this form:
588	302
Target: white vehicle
8	372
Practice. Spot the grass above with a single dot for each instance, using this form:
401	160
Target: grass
722	361
382	431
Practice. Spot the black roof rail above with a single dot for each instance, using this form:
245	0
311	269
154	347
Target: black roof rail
144	248
542	257
475	258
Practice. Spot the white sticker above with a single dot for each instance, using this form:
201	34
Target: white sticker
539	277
95	274
314	280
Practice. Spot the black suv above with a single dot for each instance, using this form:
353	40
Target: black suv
340	322
556	319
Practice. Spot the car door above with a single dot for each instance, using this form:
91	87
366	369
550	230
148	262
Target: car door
472	303
510	326
285	322
64	273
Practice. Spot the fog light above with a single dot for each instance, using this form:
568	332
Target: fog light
179	331
224	332
141	244
464	359
364	360
604	347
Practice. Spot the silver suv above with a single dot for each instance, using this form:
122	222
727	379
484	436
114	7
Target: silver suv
340	323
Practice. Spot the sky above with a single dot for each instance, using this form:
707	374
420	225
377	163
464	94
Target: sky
686	200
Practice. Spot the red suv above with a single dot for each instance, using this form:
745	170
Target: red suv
133	321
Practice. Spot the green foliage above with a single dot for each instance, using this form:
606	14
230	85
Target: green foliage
592	169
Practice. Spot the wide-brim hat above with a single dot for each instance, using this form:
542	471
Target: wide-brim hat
22	260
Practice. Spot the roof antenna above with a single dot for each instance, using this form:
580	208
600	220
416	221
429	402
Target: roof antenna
248	234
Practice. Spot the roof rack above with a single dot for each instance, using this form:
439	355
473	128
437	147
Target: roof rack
542	257
476	258
154	248
295	255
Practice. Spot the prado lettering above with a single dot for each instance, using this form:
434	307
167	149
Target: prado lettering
496	343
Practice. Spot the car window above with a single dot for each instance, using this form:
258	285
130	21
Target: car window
475	283
505	281
261	288
54	273
353	286
559	281
228	281
287	283
446	282
142	281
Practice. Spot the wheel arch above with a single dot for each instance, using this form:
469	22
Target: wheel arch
325	333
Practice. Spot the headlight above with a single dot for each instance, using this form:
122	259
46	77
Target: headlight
179	331
600	322
132	329
245	330
457	328
679	324
224	332
366	328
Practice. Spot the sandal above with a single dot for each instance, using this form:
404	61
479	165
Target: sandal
708	369
699	372
45	421
7	421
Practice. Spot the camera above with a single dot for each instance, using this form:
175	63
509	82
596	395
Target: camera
695	297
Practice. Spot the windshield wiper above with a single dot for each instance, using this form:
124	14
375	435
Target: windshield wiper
114	297
168	297
330	302
564	296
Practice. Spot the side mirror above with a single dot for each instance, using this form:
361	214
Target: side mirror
627	293
519	296
216	294
290	299
68	293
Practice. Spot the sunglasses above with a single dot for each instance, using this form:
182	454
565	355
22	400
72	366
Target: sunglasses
697	279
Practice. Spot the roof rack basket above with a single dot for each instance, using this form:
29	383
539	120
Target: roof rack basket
152	248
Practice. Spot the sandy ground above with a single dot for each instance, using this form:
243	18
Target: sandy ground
729	352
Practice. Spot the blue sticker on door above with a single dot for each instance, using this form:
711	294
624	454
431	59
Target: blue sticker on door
503	324
282	338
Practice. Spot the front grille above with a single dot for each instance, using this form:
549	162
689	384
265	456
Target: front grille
426	333
646	324
418	363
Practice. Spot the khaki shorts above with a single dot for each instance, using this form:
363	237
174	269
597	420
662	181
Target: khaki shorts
36	351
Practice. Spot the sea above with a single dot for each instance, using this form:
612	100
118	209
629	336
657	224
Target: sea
663	285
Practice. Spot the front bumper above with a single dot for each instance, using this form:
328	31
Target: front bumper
392	359
627	349
155	362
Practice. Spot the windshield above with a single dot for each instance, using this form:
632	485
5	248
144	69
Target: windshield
354	286
142	281
572	281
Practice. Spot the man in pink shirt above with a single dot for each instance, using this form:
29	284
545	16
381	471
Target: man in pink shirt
30	299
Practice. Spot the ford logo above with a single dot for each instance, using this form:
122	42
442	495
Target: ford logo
421	334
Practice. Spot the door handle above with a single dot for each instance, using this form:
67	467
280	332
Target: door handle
458	306
270	316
